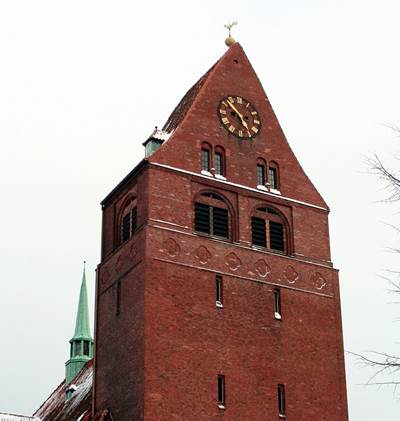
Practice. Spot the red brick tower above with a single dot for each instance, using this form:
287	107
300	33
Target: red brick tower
216	295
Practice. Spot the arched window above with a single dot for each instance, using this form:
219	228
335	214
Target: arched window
211	215
205	157
261	172
219	161
128	220
273	176
269	230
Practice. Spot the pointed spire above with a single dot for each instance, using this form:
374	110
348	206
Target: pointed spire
81	350
82	327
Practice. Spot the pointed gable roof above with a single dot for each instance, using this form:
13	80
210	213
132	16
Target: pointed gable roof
195	120
180	111
57	408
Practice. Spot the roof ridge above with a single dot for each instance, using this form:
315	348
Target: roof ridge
185	104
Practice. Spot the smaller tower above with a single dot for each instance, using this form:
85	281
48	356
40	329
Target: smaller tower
81	350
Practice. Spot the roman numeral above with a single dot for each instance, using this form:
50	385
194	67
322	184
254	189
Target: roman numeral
231	100
225	120
256	122
240	133
254	128
222	111
239	100
254	113
231	129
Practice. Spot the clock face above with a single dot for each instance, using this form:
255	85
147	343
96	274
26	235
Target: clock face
239	117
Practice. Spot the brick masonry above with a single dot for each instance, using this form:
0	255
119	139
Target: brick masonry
159	358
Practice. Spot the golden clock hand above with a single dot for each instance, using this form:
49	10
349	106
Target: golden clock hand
240	115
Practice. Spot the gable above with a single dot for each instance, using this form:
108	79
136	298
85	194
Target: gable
195	120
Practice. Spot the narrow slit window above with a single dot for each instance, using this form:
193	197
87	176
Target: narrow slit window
281	400
118	299
86	348
218	290
221	391
277	304
78	348
205	159
260	174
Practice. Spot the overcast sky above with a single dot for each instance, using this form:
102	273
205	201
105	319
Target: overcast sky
82	85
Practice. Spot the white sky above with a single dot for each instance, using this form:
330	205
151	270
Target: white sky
83	83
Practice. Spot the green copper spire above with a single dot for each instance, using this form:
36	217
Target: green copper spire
82	342
82	328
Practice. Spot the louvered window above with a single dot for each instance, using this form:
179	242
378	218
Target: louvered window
276	236
268	230
220	222
202	218
128	226
258	231
211	220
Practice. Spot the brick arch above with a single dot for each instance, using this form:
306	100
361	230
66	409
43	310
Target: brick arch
288	235
201	196
129	201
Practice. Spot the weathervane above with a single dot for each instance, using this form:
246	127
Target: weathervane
230	40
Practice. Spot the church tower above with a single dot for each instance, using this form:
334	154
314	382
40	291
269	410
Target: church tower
81	349
216	295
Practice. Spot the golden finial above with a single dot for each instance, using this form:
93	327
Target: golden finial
230	40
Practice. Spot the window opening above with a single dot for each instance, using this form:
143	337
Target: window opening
221	391
258	231
205	159
277	304
86	348
128	223
273	178
268	230
281	400
211	220
276	236
218	290
219	169
78	348
260	175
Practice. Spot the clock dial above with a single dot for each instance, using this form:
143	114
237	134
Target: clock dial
239	117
